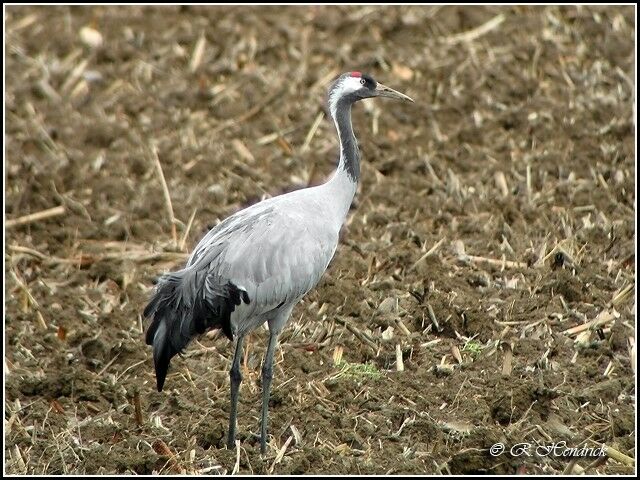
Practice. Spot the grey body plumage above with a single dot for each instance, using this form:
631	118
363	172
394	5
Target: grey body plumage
257	264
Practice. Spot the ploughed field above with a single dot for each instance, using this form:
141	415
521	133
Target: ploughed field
483	291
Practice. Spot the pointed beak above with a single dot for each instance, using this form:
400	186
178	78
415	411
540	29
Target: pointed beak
384	91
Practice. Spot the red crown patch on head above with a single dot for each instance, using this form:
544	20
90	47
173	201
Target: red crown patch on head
356	74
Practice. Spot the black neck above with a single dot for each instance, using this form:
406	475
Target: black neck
349	154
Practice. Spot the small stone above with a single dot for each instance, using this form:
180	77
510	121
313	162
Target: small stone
91	37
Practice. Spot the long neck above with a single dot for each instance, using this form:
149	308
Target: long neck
349	154
341	187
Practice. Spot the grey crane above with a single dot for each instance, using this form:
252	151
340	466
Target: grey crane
257	264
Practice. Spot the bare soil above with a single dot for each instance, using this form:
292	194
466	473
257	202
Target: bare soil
494	216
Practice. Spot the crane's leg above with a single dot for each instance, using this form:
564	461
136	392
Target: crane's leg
267	376
236	377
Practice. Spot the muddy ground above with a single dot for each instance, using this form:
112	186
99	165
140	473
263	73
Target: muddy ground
494	218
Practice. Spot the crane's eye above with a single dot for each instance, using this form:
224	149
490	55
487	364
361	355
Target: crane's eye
363	81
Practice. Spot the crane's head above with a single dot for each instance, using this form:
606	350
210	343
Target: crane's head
353	86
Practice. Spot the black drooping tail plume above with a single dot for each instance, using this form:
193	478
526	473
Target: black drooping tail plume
187	303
